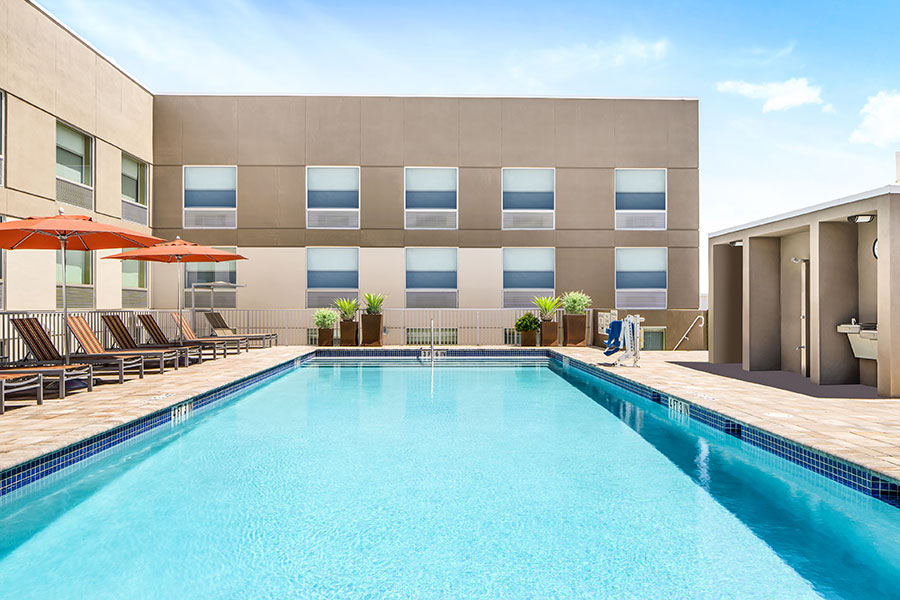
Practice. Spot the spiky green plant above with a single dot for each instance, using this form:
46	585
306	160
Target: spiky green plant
547	305
575	303
527	322
373	303
325	318
348	307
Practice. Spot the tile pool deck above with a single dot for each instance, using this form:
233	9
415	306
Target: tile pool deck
860	430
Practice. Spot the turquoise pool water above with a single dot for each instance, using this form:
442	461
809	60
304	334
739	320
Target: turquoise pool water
351	481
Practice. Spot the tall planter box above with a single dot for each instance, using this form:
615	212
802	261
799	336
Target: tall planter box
574	330
549	332
326	337
529	338
372	330
349	333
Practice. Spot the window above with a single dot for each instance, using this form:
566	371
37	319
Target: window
79	277
527	272
431	278
331	273
654	338
430	198
528	198
332	197
74	176
134	190
641	278
640	198
225	272
134	284
210	197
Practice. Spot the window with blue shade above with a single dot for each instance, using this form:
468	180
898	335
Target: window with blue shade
640	189
332	268
528	189
211	272
332	187
210	187
641	268
529	268
431	268
431	188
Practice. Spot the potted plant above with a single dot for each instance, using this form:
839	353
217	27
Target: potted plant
527	325
575	321
548	305
324	319
372	320
348	307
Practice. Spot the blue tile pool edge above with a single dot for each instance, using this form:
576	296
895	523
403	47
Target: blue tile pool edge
849	474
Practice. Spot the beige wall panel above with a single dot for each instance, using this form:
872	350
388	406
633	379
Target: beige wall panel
479	132
726	299
381	197
683	199
585	199
271	130
279	238
167	205
75	82
108	184
168	132
529	133
888	297
332	130
31	48
641	133
431	132
585	133
795	245
210	130
274	278
381	133
136	121
382	237
31	280
26	205
677	322
383	271
868	273
4	43
480	202
424	237
682	238
163	285
4	202
683	278
108	281
684	128
762	304
30	149
589	238
271	197
480	277
588	269
479	238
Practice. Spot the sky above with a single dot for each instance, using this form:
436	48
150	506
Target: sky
799	101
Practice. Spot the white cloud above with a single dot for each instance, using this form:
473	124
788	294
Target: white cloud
881	120
777	95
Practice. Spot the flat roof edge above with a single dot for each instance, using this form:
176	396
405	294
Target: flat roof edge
883	190
474	96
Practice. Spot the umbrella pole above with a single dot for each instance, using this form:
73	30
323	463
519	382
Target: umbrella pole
180	301
65	303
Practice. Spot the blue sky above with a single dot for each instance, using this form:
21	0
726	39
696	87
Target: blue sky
799	101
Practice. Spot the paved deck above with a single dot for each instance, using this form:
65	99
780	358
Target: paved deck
847	421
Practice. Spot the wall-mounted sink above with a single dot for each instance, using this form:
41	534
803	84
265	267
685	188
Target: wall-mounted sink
863	338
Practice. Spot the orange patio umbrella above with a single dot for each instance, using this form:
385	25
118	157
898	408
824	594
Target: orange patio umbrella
178	251
65	232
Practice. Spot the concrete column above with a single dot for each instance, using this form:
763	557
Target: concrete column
725	304
834	299
888	298
762	304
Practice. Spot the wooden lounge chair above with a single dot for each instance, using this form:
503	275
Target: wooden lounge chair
63	374
90	344
20	382
221	329
126	342
45	353
159	337
189	335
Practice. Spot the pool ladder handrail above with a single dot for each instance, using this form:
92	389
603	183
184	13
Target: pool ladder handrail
700	318
432	342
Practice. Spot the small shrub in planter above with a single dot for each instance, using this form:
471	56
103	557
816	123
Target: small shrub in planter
348	308
548	305
324	319
372	320
575	321
528	325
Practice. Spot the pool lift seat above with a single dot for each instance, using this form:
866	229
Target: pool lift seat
625	336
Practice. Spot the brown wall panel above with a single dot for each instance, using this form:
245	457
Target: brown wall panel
585	133
588	269
210	130
585	198
271	130
480	198
528	134
430	132
479	132
381	197
332	130
381	131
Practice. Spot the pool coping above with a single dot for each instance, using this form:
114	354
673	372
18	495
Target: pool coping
847	473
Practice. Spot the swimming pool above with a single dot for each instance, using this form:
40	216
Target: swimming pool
389	479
